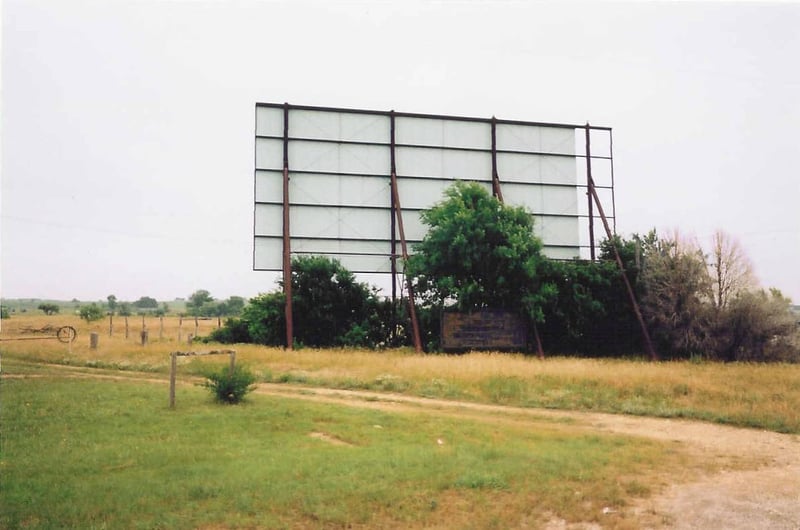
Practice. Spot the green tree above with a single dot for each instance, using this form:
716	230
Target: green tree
330	308
232	306
200	303
758	326
677	295
146	302
479	253
91	312
49	308
125	309
112	303
329	303
264	319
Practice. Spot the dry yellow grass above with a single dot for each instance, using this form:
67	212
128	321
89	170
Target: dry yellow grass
758	395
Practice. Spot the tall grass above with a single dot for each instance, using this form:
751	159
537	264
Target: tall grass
101	454
765	396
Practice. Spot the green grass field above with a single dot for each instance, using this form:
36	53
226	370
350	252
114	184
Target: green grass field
87	453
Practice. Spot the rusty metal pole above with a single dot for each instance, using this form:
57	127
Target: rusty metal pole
287	248
645	334
393	229
496	191
412	308
589	193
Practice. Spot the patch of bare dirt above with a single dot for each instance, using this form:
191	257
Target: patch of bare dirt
328	438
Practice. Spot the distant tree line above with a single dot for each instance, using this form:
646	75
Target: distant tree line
479	253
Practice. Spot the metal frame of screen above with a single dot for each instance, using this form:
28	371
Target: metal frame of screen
339	162
351	184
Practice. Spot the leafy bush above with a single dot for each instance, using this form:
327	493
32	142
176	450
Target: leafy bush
230	387
235	331
91	312
48	308
330	308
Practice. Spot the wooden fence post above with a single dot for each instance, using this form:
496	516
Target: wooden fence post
173	368
94	338
126	327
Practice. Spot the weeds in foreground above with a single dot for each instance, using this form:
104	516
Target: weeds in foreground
230	386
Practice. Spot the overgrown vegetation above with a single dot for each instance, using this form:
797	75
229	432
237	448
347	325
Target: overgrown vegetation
332	309
479	253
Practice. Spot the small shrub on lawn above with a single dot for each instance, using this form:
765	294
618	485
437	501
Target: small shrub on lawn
230	387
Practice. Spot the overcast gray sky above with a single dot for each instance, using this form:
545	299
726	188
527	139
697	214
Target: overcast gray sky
127	126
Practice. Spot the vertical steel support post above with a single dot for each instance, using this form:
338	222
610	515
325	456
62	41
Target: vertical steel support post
589	189
287	247
393	228
397	213
645	334
496	191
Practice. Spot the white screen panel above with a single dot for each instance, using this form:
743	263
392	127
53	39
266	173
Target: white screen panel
269	220
535	139
558	231
557	140
268	254
443	133
517	167
443	163
339	126
542	199
339	158
339	246
344	190
269	186
341	223
421	193
353	263
269	153
415	230
269	121
512	137
562	253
